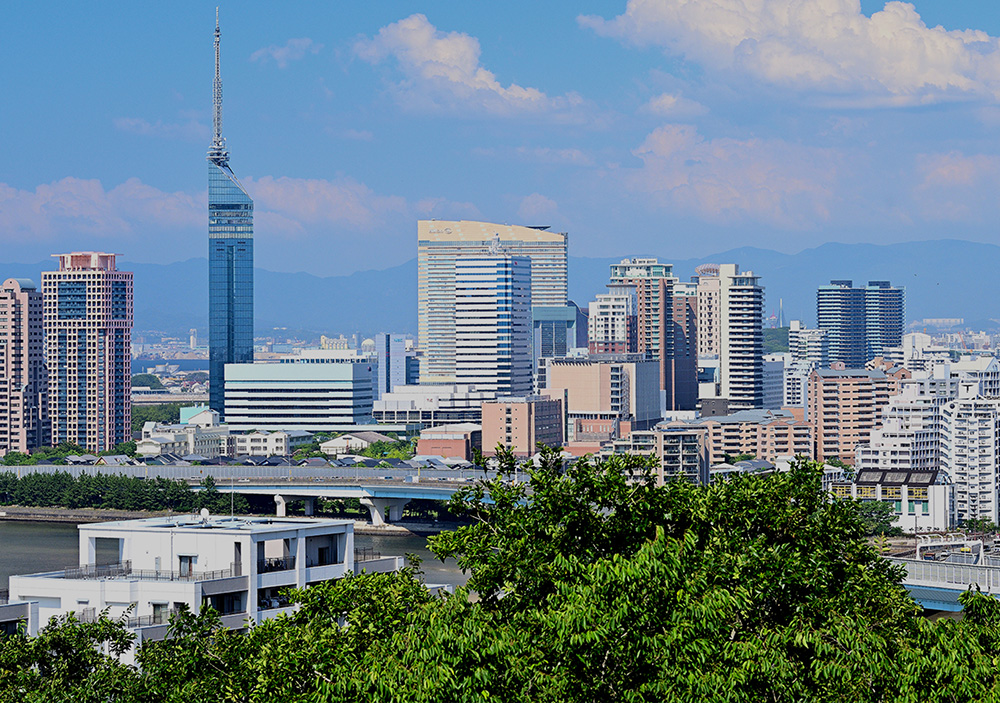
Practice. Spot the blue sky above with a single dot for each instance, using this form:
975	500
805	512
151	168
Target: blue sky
674	128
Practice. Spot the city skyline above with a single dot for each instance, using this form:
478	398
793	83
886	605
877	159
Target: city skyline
354	122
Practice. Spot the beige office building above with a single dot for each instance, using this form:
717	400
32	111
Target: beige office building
440	243
520	423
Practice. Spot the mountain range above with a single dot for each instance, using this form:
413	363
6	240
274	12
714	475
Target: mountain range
943	278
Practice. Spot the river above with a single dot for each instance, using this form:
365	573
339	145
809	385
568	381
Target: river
30	547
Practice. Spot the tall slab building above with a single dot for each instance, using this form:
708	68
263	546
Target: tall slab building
440	243
23	374
493	323
88	344
230	258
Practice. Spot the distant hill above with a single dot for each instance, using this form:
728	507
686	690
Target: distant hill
943	278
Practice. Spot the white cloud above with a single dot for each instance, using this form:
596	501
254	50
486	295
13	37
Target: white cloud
293	50
192	130
674	106
536	207
442	71
957	187
73	206
729	181
317	200
890	58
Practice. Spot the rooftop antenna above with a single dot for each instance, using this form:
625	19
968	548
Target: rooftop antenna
217	152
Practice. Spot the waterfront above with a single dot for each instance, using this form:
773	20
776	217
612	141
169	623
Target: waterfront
29	547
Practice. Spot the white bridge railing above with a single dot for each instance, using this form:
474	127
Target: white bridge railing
945	575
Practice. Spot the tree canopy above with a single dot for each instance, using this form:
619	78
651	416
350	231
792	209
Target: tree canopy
593	583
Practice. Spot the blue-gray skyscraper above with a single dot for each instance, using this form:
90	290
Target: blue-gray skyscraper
230	258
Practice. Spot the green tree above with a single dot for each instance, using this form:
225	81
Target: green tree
147	380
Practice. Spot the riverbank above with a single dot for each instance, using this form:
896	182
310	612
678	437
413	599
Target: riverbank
87	515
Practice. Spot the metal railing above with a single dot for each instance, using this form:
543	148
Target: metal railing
366	554
945	573
266	566
4	596
124	570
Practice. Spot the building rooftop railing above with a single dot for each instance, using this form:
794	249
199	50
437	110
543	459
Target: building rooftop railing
124	570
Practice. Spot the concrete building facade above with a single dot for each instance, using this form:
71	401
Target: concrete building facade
88	344
24	416
605	398
845	405
766	434
741	338
521	423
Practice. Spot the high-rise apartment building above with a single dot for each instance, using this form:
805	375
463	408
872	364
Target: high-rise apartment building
443	243
23	375
230	258
845	405
611	324
657	320
493	323
861	323
88	342
707	289
741	338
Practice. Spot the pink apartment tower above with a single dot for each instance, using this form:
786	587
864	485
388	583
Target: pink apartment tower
23	376
88	342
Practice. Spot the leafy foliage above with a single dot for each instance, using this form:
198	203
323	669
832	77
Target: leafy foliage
594	584
114	492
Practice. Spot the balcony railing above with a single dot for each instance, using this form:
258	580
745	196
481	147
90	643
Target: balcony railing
366	554
4	596
266	566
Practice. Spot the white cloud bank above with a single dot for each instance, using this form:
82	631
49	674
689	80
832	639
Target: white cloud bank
829	46
442	70
728	181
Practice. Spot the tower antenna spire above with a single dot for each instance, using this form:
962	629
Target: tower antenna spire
217	152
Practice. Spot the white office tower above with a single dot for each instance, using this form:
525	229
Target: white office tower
441	245
493	323
970	439
741	338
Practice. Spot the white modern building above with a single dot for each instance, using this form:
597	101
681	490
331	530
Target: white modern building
493	349
919	499
273	443
431	405
440	245
318	393
200	434
240	566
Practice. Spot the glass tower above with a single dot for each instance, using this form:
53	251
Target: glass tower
230	259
